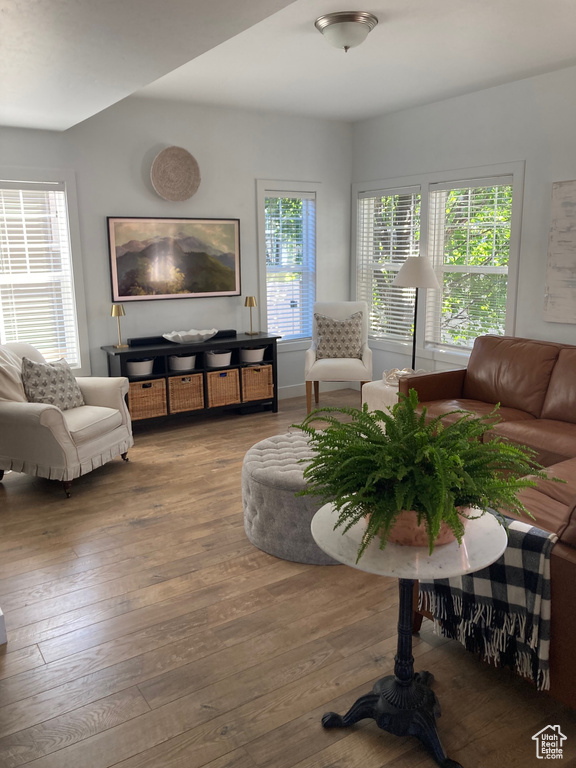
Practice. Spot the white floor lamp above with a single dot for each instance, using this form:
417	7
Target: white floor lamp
416	272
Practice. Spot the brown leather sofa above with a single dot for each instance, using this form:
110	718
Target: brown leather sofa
535	384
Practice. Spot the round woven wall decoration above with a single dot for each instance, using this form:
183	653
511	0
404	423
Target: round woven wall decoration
175	174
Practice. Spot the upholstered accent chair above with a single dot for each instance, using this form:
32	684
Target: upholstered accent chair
42	439
339	350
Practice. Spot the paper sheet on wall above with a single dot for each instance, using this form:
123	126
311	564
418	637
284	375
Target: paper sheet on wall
560	297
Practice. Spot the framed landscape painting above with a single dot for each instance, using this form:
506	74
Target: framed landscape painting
173	258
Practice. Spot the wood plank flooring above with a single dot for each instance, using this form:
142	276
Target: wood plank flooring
145	631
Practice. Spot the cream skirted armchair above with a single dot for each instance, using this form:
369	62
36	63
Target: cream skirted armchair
60	443
339	350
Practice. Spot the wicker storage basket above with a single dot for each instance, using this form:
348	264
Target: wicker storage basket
257	383
147	399
223	387
186	393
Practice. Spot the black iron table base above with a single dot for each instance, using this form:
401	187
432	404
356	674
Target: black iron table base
402	703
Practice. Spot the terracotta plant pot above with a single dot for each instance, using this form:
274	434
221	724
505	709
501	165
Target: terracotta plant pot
406	531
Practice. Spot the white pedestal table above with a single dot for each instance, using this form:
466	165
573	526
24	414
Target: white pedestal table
403	703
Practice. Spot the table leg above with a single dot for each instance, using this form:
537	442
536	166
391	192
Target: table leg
402	703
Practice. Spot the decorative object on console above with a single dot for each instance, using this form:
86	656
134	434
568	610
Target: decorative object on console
182	362
189	337
251	302
175	174
416	272
382	463
117	311
142	367
218	358
346	29
252	355
173	258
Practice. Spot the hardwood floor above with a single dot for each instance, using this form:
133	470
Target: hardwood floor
144	630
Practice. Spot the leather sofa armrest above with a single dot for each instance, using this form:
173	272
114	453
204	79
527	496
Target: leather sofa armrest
439	385
563	624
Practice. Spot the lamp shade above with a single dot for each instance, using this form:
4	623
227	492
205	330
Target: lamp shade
250	301
117	310
346	29
416	272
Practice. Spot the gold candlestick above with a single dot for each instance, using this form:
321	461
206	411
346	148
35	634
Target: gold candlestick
251	302
117	311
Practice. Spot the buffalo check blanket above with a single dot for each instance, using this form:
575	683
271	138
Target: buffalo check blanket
501	612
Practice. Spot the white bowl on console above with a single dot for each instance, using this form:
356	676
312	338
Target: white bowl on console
252	354
182	362
218	358
189	337
142	367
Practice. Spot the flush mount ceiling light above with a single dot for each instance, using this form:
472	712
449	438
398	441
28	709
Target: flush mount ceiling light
346	29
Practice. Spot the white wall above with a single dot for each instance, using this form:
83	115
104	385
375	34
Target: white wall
111	154
533	120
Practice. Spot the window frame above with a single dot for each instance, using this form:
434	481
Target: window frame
515	169
64	176
265	188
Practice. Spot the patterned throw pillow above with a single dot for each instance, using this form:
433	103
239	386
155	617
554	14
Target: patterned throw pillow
339	338
51	383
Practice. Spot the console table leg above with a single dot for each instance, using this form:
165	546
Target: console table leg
402	703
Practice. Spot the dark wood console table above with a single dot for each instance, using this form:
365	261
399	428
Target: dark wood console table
201	389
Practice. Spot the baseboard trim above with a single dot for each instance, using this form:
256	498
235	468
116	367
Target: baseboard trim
299	390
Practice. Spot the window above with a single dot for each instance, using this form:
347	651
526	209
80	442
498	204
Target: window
388	232
37	300
289	242
470	247
468	227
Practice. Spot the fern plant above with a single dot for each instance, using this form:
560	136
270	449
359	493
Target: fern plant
380	463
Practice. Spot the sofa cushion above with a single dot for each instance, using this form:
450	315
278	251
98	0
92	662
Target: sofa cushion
553	441
91	421
11	387
51	383
339	338
554	504
510	371
440	407
560	402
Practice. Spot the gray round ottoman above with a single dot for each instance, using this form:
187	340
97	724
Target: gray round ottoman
275	519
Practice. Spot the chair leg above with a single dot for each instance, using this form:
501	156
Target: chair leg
308	396
361	385
1	474
67	484
125	456
316	392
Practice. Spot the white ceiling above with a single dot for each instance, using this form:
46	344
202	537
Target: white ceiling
62	61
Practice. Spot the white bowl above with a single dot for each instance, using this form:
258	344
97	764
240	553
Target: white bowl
189	337
140	367
182	362
218	358
252	355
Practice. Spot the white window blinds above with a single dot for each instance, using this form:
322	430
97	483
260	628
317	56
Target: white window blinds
388	232
469	241
290	238
36	287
